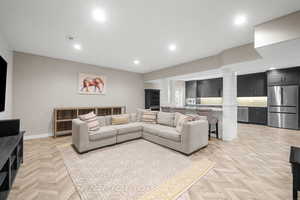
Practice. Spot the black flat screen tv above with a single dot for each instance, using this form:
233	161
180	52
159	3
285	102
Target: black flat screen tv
3	72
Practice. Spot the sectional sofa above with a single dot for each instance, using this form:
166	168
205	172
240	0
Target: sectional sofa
193	137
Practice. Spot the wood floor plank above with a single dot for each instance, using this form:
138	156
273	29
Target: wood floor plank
253	166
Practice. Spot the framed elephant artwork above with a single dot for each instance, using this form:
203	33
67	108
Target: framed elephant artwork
91	84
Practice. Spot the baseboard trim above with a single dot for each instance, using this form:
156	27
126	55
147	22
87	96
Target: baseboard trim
32	137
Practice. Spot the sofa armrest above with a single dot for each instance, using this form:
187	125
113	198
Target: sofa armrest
195	135
80	135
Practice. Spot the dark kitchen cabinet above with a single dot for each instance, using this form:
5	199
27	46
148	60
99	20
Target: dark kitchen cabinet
252	85
210	88
152	98
258	115
190	89
288	76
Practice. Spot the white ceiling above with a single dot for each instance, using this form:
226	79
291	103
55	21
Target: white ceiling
135	29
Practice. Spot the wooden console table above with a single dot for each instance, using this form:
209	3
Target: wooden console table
62	123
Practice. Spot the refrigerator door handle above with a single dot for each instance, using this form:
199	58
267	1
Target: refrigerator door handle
281	93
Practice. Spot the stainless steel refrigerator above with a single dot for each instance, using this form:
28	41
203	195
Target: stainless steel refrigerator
283	103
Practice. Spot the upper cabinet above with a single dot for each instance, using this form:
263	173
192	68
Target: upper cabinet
284	77
252	85
190	89
210	88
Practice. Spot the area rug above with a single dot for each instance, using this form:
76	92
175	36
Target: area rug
135	170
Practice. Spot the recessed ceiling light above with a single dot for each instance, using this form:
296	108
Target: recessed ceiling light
172	47
99	15
136	62
240	20
77	46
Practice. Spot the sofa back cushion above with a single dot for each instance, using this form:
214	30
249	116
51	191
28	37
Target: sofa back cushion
181	120
133	117
195	117
91	120
120	119
139	114
108	120
149	117
166	118
101	120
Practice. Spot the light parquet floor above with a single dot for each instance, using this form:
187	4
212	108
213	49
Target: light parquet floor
253	166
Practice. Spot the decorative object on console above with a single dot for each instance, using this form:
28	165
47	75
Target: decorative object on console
62	123
11	154
91	84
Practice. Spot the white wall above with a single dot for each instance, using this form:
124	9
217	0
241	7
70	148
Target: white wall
42	83
278	30
168	89
7	54
163	86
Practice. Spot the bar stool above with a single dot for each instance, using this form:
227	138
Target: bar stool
215	130
295	161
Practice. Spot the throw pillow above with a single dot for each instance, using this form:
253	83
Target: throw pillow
149	117
177	115
120	119
182	119
91	120
165	118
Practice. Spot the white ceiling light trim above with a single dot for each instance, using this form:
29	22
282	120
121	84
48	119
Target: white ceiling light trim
172	47
240	20
99	15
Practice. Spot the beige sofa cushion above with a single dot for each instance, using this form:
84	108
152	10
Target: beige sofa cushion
163	131
102	133
165	118
101	121
129	128
91	120
108	120
149	117
133	117
120	119
139	114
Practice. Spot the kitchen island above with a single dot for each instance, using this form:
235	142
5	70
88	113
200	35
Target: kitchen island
213	113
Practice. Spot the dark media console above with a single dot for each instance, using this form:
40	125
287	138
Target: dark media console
11	154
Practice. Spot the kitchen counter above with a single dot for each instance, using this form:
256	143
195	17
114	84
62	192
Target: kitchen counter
252	107
195	108
213	113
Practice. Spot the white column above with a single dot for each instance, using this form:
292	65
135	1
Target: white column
165	92
229	105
